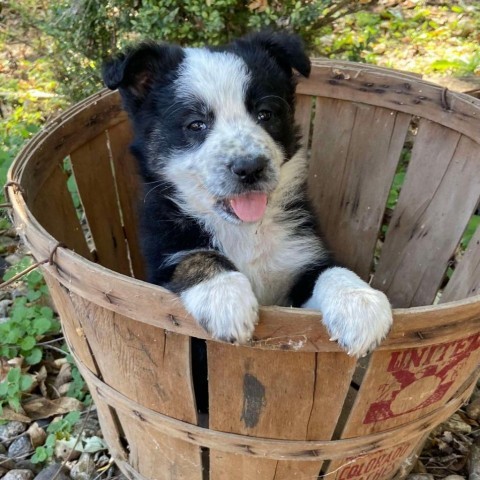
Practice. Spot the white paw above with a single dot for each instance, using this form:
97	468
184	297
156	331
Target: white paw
356	315
225	306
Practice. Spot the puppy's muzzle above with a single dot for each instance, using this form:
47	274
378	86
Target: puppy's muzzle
249	169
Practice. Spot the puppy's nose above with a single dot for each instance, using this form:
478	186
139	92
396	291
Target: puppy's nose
249	168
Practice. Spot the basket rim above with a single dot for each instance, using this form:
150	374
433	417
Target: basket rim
307	333
280	328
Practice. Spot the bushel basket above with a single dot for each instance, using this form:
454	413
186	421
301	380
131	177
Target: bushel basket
291	405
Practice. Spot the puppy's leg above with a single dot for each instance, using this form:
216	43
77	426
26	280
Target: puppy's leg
356	315
216	295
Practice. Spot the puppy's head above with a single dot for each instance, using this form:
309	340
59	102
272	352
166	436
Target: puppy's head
217	124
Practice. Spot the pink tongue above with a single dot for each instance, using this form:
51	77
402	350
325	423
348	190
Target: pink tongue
249	207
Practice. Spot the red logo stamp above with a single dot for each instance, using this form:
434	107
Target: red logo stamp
422	376
375	466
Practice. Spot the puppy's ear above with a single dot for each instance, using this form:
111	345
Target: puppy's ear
135	71
286	48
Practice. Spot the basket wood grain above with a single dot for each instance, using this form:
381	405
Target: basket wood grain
292	404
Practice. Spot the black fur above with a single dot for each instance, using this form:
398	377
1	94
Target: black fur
145	76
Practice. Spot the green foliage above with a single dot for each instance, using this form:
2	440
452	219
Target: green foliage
34	280
13	387
30	321
28	89
472	226
86	31
77	388
470	65
58	430
27	325
13	133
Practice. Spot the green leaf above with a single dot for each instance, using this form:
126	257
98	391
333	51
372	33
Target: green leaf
26	382
13	376
19	311
35	356
14	403
472	226
72	417
40	455
28	343
33	295
55	427
3	389
34	278
13	335
51	439
47	312
41	325
13	389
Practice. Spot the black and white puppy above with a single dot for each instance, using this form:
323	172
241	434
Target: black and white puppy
225	219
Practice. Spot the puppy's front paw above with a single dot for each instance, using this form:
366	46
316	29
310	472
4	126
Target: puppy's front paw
225	306
359	319
356	315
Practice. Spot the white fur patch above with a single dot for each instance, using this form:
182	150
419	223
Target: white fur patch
269	252
225	306
356	315
202	174
220	79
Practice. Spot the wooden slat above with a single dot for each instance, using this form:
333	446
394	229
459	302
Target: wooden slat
401	386
380	465
254	447
65	133
359	83
276	395
54	208
93	174
355	151
465	281
441	190
152	367
128	187
78	345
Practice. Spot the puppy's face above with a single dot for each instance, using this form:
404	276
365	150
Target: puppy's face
215	124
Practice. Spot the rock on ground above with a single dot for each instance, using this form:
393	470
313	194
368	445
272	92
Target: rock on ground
51	471
18	475
11	430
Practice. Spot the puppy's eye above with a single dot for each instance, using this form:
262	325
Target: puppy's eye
197	126
264	115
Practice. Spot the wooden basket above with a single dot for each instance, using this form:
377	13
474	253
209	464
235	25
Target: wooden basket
292	405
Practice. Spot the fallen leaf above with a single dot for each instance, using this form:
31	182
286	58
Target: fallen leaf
41	377
64	376
68	449
260	5
37	435
94	444
11	415
40	407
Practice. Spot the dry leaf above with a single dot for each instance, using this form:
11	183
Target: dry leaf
260	5
37	435
40	407
64	376
65	449
11	415
58	362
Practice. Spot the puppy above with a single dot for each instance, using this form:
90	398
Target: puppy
225	221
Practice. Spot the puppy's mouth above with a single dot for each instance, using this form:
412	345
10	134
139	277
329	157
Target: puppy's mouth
249	207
